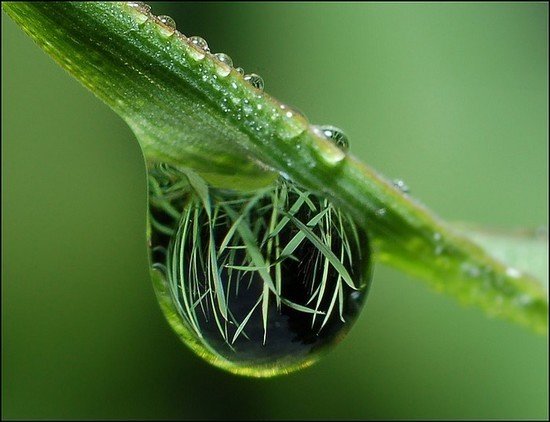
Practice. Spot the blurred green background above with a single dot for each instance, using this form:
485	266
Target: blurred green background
452	98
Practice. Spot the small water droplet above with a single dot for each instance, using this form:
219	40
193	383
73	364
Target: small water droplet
381	212
438	248
223	68
199	42
255	80
330	153
336	135
139	5
240	70
470	270
141	14
224	58
400	184
247	109
513	272
167	21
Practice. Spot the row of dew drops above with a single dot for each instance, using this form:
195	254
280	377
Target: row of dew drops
169	26
336	135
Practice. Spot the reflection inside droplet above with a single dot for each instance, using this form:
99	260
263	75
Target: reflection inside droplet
258	283
255	80
224	58
199	42
334	134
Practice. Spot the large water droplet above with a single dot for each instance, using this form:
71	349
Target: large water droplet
255	80
259	283
199	42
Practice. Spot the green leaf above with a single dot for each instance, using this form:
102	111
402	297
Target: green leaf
522	250
191	111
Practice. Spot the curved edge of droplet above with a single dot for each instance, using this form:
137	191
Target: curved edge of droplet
201	349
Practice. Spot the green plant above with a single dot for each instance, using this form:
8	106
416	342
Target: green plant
179	99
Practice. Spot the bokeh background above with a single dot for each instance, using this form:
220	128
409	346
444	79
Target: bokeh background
452	98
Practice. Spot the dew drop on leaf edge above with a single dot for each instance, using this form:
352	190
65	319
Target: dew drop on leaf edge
401	185
336	135
141	6
167	21
255	80
199	42
224	58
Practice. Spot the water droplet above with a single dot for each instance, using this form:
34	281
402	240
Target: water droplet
294	113
513	272
167	21
400	184
335	134
196	54
255	80
224	58
142	11
331	154
381	212
470	270
222	69
240	70
247	109
139	5
254	293
438	250
199	42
